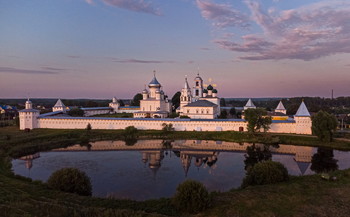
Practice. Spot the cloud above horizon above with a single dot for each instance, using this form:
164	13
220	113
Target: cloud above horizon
141	6
140	61
222	15
49	70
305	33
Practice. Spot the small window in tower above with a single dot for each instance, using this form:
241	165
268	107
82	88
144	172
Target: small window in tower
197	83
197	92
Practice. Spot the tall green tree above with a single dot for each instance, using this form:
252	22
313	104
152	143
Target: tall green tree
76	112
222	102
324	126
136	100
176	99
232	111
257	119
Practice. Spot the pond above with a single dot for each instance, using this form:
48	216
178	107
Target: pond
151	169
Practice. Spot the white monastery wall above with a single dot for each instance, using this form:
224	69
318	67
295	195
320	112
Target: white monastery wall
96	112
156	124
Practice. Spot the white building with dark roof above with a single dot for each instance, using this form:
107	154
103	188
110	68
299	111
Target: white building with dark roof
203	105
154	103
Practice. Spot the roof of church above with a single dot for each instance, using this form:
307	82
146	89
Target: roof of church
280	106
302	111
201	103
154	82
198	77
250	103
59	103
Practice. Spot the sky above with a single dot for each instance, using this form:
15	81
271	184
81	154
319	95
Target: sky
105	48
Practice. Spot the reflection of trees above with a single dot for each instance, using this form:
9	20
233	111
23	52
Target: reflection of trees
323	161
130	142
255	155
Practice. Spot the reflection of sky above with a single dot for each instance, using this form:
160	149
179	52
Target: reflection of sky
122	174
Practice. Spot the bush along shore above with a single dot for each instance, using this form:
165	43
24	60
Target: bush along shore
298	196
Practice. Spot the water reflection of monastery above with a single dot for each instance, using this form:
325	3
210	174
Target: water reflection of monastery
200	153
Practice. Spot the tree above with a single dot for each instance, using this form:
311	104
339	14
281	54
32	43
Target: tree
232	111
167	127
266	172
191	196
76	112
70	180
323	161
324	126
257	119
136	100
222	102
176	99
88	127
255	155
223	114
130	135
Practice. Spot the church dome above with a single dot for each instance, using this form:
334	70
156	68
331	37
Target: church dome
144	91
210	87
154	83
157	91
215	91
205	91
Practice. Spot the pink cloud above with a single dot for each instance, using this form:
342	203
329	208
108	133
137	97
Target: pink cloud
305	33
132	5
222	15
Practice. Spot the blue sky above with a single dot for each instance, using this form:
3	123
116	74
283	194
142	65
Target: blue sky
106	48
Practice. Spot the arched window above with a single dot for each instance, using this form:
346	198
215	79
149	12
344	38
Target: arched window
197	92
197	83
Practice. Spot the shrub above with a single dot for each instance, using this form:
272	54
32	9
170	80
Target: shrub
191	196
88	127
266	172
70	180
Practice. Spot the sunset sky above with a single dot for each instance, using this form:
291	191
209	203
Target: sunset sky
106	48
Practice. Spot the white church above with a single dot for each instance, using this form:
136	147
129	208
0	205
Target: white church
199	105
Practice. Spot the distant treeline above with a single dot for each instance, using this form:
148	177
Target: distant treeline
49	103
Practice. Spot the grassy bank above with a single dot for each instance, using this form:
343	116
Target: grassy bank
301	196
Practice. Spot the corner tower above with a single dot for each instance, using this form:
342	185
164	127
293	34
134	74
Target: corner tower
303	120
28	117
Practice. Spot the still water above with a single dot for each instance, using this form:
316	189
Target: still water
152	169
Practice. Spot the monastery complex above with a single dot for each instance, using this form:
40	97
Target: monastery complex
199	104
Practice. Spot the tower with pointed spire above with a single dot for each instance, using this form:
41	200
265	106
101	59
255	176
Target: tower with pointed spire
28	117
249	105
303	120
186	96
59	106
280	108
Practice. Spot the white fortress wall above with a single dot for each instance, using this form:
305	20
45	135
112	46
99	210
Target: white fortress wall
282	127
142	124
156	124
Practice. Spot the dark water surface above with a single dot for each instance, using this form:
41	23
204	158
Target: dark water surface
153	168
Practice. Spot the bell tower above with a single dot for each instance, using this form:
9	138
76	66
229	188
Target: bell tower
186	96
198	88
